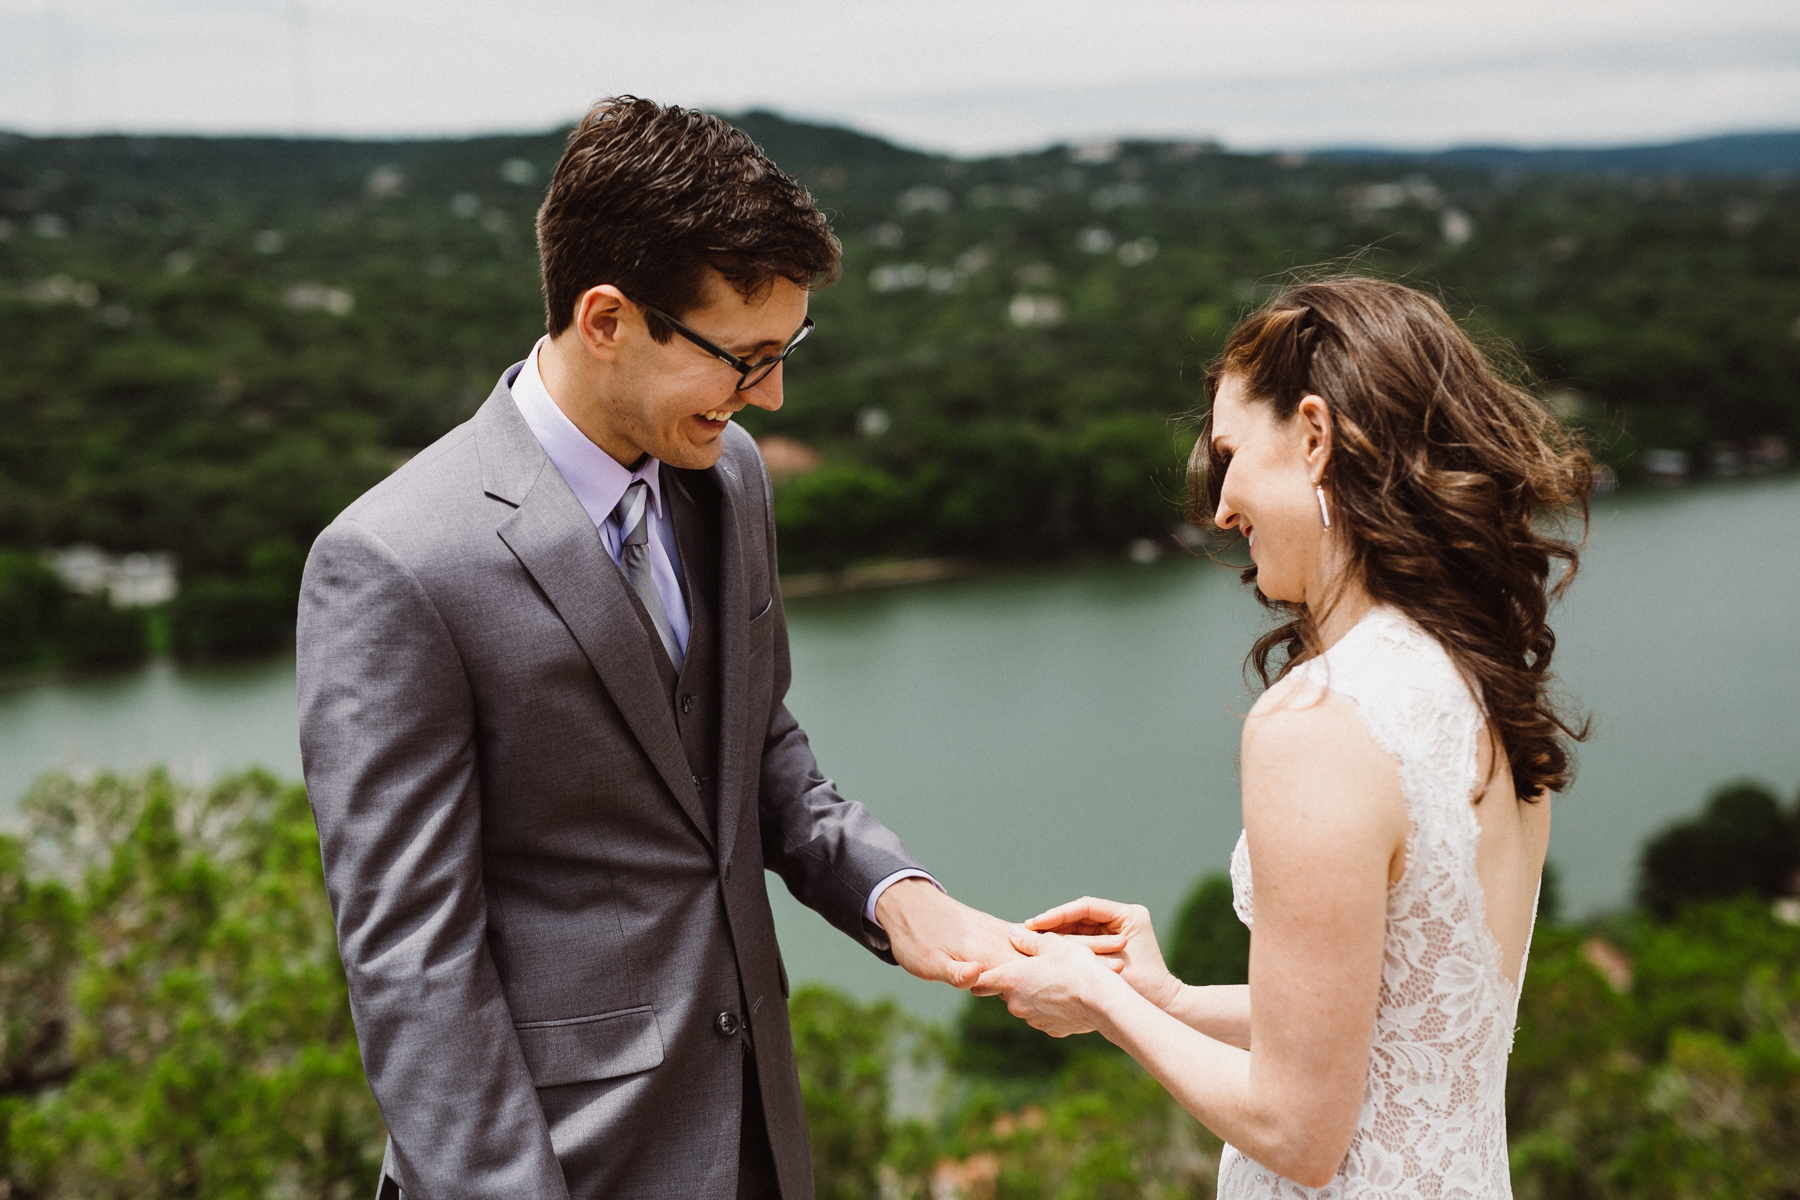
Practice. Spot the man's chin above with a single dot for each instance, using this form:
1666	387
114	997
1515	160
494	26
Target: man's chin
693	456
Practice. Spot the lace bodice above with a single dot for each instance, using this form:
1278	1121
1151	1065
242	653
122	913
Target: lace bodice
1433	1120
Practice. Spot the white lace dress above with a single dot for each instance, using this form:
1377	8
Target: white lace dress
1433	1120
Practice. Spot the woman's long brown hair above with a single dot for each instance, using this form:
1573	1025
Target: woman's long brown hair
1440	472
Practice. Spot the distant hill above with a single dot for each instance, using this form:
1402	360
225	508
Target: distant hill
213	344
1737	154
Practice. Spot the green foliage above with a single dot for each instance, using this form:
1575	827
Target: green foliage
1687	1084
183	976
95	634
837	514
1211	945
174	1022
31	601
1103	1130
1742	844
844	1051
37	950
41	623
214	345
221	618
1550	900
992	1045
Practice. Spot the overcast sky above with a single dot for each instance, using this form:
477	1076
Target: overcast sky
968	76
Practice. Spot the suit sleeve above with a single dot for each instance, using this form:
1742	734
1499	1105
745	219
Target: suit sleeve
831	852
387	736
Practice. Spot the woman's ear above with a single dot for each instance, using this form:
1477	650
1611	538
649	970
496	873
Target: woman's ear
1314	416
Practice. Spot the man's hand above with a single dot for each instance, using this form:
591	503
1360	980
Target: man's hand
937	938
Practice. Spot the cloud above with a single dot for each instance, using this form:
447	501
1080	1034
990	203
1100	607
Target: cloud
1001	74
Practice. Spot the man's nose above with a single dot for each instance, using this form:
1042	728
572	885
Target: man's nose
767	391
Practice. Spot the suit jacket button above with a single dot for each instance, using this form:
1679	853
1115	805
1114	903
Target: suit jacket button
727	1023
727	872
696	779
687	704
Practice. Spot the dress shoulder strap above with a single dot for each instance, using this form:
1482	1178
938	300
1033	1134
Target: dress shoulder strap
1413	700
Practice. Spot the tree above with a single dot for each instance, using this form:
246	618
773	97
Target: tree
1742	844
1211	945
844	1051
210	1051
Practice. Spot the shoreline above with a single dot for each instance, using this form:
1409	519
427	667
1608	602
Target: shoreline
869	577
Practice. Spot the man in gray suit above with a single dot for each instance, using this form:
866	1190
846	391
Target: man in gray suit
541	679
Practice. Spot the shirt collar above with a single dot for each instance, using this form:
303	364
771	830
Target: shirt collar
595	476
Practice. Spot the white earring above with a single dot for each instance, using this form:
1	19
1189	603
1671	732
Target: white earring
1324	514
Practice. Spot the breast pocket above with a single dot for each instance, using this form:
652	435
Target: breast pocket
583	1049
768	606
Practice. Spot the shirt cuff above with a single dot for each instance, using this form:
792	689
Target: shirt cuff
890	881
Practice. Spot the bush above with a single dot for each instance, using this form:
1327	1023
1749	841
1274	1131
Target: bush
31	598
1550	902
228	618
1686	1084
991	1043
833	516
1741	845
1210	945
996	489
1130	479
92	633
1102	1130
177	1018
40	622
843	1050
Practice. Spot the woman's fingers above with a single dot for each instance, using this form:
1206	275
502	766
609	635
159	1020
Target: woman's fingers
1101	943
1088	910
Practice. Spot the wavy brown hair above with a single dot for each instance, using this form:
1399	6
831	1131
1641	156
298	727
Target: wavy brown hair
1441	471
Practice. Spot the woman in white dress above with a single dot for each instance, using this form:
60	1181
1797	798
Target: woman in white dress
1392	485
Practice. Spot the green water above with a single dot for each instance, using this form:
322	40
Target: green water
1036	736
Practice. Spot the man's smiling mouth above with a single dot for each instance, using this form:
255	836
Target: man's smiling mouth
717	415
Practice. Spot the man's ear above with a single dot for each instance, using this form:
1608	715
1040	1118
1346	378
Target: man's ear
1314	416
599	313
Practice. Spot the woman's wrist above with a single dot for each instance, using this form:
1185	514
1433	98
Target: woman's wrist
1167	994
1114	1004
1102	997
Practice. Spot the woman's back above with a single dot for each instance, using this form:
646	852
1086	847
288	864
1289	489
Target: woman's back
1432	1121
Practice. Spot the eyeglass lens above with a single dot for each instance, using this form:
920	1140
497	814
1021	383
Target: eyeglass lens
760	371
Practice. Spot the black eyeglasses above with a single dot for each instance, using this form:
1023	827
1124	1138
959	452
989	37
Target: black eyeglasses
753	373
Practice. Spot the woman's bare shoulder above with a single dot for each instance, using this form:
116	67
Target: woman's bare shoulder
1291	691
1306	747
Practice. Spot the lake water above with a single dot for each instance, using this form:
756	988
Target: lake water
1035	736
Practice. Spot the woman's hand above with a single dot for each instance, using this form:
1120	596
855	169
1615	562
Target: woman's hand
1119	934
1060	987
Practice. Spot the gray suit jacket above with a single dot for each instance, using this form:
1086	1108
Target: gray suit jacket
539	923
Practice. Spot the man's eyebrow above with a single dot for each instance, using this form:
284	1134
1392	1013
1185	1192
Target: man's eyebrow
777	343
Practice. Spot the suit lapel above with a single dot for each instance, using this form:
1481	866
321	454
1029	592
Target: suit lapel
735	785
550	534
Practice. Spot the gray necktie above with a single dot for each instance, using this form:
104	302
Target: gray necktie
633	519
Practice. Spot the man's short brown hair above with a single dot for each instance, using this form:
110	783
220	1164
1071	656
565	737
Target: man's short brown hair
646	198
